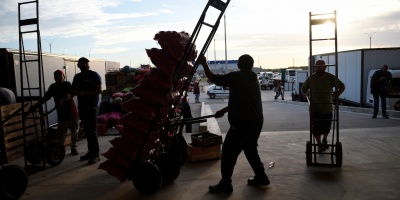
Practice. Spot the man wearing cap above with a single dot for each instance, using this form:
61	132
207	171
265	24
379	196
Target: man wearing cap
65	106
380	82
87	86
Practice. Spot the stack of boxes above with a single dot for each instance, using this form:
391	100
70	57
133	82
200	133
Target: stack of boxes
117	81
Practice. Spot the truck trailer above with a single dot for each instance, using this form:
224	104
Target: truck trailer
11	77
354	67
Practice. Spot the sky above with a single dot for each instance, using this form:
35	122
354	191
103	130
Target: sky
275	32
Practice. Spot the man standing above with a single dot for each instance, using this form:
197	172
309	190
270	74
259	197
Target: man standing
380	81
321	83
87	86
196	92
245	116
66	109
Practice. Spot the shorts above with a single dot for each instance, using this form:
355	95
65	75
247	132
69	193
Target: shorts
322	123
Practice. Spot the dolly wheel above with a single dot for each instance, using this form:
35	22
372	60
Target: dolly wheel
55	153
169	165
35	152
13	182
309	153
146	177
339	154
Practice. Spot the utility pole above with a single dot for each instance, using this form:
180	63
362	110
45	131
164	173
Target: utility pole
215	57
370	37
51	40
226	54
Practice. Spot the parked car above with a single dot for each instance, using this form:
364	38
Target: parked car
217	91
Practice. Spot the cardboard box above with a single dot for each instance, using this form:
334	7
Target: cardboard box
205	139
203	153
12	131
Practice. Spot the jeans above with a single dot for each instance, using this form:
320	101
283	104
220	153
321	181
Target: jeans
72	125
242	136
88	118
380	94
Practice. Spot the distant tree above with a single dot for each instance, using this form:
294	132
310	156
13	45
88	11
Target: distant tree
126	69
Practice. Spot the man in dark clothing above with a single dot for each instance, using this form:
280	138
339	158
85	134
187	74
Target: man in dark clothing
66	109
245	116
186	113
87	86
380	81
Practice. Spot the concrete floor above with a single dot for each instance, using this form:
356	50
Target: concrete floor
371	165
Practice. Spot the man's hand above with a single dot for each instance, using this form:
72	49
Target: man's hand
202	60
221	113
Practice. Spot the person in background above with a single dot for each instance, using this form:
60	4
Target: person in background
245	116
321	100
87	86
66	109
196	92
380	81
278	89
186	113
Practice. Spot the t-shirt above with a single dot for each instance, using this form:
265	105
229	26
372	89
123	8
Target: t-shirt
379	85
244	96
68	110
87	81
322	88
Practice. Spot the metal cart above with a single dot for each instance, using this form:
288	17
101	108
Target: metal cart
165	160
335	152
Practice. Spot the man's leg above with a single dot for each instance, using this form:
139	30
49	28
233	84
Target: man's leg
230	151
62	129
73	127
251	152
383	103
376	104
89	122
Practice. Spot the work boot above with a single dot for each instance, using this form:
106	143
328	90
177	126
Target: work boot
255	181
325	143
74	152
320	148
221	188
85	157
94	160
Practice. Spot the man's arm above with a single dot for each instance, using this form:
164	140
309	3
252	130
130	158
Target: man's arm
221	113
203	61
98	90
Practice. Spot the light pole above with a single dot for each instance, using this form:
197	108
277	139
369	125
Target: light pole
226	51
226	54
51	40
215	57
370	38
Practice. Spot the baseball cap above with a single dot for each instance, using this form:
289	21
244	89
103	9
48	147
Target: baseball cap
59	71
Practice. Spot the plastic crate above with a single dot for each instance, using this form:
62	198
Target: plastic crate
205	139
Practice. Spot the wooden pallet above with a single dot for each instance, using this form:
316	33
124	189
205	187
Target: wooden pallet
12	131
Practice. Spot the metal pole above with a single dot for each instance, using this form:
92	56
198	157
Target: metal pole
226	54
49	42
215	57
370	38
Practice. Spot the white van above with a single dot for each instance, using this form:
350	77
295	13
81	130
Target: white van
394	89
217	91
